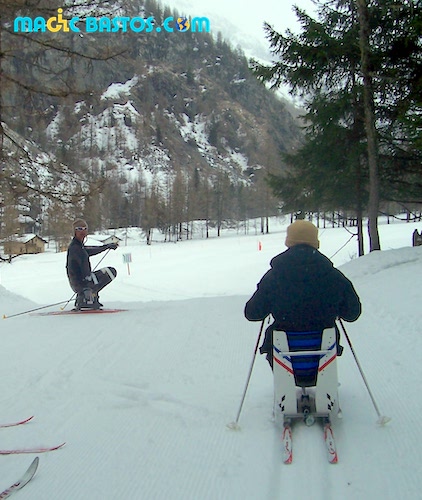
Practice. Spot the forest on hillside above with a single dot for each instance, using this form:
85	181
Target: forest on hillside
157	130
153	129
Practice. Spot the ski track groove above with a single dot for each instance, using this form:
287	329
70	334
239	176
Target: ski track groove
82	395
141	405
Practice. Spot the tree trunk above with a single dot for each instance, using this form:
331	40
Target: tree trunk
368	96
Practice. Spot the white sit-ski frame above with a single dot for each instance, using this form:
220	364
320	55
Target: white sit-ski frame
291	401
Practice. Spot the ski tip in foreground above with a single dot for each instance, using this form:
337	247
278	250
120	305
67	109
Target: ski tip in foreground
233	426
383	420
24	480
54	448
16	423
32	469
41	449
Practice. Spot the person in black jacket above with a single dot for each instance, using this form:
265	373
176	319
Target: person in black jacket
302	290
82	280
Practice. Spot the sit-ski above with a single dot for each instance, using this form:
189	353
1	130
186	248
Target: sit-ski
306	384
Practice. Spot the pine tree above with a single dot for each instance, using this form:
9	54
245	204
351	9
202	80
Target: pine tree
341	66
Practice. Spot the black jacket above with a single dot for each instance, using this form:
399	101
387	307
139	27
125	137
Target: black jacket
303	292
78	266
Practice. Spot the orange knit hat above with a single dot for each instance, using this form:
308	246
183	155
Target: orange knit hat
302	231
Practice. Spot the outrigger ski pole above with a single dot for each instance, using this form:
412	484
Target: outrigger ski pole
382	420
32	310
235	425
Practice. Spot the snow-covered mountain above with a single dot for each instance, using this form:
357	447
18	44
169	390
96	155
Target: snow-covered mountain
142	108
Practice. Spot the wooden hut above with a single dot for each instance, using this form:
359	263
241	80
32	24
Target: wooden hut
28	243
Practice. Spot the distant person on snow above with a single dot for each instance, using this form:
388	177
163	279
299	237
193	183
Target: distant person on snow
82	280
303	291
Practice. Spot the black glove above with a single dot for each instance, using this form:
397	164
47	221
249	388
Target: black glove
112	246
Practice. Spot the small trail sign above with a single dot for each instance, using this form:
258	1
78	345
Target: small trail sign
127	259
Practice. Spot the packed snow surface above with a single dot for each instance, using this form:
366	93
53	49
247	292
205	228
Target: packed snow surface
143	397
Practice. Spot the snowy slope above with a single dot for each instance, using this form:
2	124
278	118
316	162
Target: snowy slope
142	398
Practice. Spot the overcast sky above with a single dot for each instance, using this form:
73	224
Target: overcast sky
247	16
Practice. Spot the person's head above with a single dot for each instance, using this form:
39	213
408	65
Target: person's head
302	232
80	229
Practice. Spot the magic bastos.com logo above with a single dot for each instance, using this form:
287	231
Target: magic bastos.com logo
54	24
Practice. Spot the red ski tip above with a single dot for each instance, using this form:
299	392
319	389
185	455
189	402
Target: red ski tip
20	422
